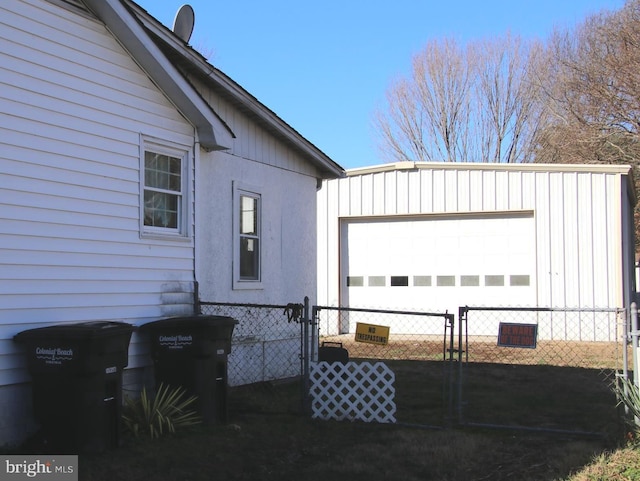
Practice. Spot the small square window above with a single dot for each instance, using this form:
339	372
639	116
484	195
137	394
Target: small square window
469	281
400	281
422	281
494	281
377	281
446	281
519	280
355	281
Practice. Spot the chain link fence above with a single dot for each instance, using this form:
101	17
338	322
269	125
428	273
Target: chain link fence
266	351
517	368
417	346
541	368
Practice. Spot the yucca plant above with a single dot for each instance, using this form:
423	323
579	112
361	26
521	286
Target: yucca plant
163	413
629	396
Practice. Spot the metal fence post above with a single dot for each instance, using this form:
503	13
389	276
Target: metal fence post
314	335
306	366
450	322
633	338
462	348
634	334
197	309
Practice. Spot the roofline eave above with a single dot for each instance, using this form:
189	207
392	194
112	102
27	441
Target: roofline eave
213	134
324	162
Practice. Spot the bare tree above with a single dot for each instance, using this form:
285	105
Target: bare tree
592	89
508	107
428	113
473	103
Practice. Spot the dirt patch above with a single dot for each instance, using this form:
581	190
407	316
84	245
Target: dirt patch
593	355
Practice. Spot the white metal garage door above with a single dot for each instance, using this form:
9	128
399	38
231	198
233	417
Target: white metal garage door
438	263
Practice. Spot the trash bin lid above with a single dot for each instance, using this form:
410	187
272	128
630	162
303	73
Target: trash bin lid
80	330
214	327
87	347
198	321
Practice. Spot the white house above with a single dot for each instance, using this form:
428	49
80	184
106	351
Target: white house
126	160
437	236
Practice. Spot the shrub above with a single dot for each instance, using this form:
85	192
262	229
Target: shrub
163	413
629	396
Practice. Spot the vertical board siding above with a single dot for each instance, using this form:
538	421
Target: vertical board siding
585	237
571	256
516	190
451	201
438	187
577	216
253	141
464	199
542	204
489	193
366	195
356	195
72	107
378	197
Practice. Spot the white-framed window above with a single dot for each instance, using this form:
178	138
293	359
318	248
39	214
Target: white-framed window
164	209
247	241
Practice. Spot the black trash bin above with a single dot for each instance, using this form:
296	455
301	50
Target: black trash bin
192	352
333	352
76	372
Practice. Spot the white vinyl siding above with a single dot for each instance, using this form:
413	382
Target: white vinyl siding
72	107
253	141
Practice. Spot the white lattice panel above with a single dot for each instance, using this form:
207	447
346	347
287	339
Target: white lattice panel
353	391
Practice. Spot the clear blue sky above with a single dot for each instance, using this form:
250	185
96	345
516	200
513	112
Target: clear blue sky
324	67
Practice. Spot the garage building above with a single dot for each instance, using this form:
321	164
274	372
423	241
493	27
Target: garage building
436	236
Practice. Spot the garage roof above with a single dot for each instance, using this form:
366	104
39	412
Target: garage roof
620	169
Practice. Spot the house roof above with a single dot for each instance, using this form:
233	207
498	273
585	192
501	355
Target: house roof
213	134
164	56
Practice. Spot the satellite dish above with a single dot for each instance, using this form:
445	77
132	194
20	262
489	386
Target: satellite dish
183	23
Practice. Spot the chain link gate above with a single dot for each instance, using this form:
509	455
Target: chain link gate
266	363
547	369
416	347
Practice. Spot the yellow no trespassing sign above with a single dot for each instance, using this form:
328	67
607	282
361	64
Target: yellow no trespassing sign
372	334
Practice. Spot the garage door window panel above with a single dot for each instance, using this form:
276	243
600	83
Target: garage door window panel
400	281
470	281
519	281
446	281
422	281
494	281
